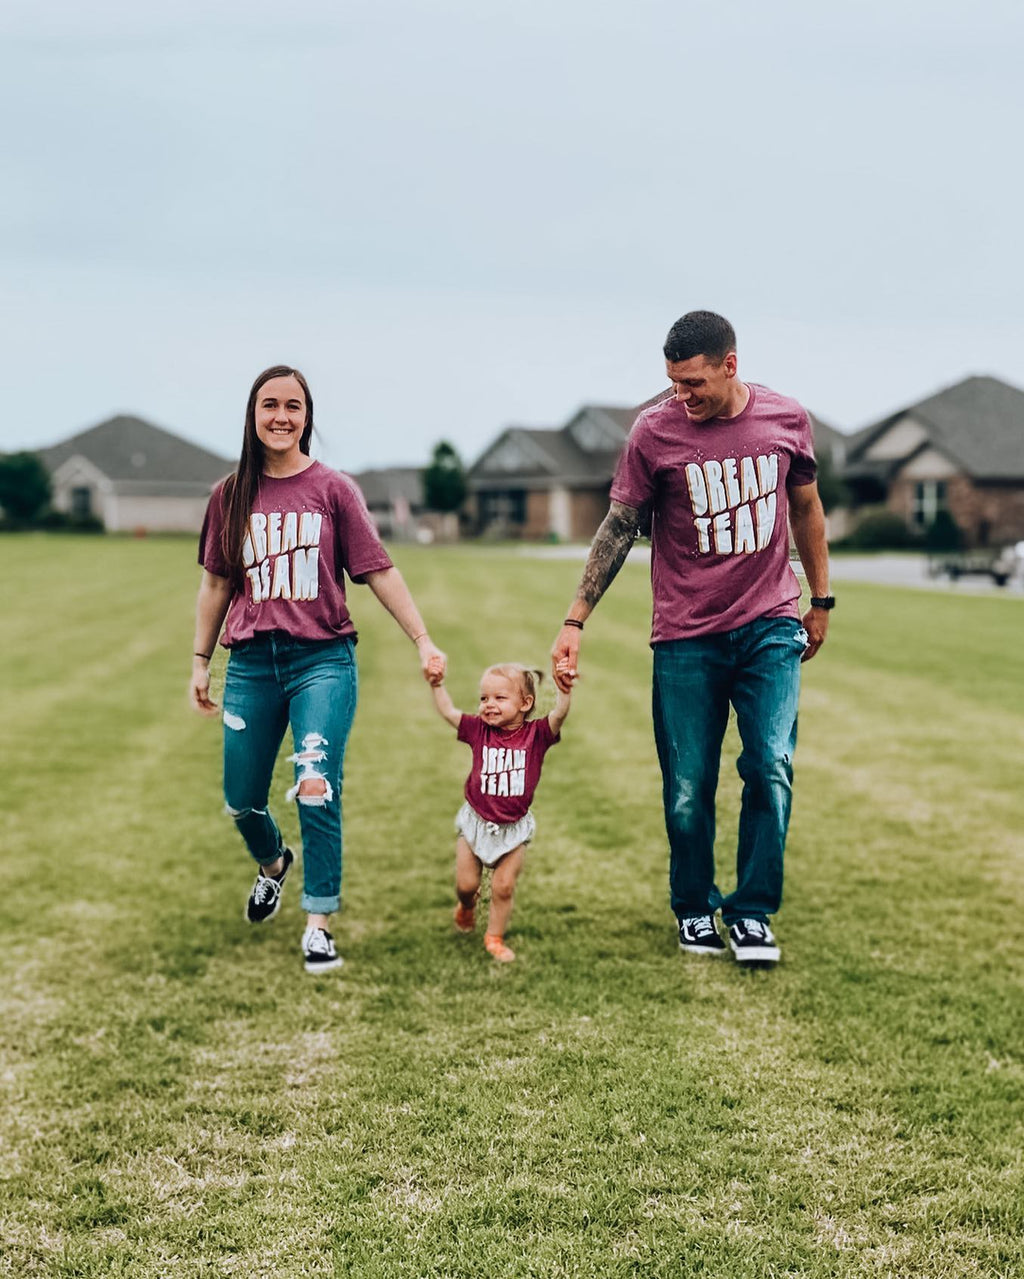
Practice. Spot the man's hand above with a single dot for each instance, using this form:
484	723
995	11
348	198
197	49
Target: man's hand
565	658
816	625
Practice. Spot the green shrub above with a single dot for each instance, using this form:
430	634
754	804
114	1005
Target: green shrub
881	530
944	534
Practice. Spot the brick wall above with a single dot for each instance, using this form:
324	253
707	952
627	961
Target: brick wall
989	513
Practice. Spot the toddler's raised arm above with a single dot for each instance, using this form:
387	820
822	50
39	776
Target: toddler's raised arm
562	702
445	707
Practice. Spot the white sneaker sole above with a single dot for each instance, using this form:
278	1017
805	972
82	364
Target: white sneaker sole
756	954
323	965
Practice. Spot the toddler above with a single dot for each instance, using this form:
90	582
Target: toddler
495	822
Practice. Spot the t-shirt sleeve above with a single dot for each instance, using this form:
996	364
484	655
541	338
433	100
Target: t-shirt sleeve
803	469
211	554
633	484
545	737
360	550
469	729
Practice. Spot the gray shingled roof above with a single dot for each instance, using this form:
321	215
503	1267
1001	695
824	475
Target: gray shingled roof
130	450
558	458
380	487
978	423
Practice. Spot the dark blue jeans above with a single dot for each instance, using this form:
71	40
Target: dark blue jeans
756	668
273	681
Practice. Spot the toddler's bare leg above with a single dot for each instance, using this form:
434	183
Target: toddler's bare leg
503	887
468	868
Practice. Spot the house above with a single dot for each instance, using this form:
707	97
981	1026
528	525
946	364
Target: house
394	496
960	450
133	476
554	482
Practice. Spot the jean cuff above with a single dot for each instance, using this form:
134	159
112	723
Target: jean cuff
320	905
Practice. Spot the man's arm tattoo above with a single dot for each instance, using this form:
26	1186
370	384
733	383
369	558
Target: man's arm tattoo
608	551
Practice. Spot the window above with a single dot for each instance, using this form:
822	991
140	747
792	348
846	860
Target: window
81	502
928	500
504	507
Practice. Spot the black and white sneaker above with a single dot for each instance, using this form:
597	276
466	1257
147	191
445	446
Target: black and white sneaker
699	936
753	942
265	897
318	951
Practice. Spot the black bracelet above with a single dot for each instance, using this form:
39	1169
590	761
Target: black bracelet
205	656
572	621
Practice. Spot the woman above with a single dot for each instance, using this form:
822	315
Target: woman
278	536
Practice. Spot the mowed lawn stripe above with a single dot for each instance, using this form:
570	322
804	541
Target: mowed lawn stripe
179	1100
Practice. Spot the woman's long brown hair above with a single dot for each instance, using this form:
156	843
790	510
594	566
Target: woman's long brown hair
241	488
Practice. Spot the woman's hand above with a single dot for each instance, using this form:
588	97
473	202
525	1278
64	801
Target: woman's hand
433	662
199	688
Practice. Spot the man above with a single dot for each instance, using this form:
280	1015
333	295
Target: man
718	464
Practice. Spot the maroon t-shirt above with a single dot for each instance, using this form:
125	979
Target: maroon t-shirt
720	538
506	766
305	533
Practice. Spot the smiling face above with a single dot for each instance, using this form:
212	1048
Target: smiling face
503	704
706	388
280	417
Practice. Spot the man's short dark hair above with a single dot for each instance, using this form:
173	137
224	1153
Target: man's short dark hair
700	333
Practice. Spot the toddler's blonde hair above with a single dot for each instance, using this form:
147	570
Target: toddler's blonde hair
527	678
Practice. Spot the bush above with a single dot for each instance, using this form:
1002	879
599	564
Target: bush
944	534
881	530
62	522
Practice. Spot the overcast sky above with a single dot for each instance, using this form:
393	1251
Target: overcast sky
454	215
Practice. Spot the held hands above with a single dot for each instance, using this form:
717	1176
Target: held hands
565	658
433	662
199	690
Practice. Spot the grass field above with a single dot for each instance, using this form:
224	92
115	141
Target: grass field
180	1099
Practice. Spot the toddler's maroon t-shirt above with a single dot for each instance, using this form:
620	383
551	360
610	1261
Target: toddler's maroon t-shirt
720	538
305	532
506	766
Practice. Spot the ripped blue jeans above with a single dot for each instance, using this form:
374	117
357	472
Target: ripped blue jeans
273	681
756	668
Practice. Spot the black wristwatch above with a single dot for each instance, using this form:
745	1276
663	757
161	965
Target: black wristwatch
823	601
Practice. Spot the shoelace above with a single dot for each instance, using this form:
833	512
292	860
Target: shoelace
319	942
701	926
756	927
266	887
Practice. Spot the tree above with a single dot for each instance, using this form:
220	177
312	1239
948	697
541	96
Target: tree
444	480
24	487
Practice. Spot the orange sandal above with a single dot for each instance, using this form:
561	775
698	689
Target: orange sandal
497	949
465	918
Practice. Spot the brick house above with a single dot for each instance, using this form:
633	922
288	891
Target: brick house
960	450
133	476
537	483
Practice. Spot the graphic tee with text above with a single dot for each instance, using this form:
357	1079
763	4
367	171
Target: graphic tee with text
506	766
305	532
717	489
